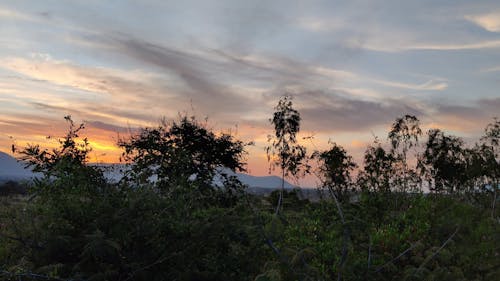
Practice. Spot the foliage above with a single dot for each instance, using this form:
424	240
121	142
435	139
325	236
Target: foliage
60	161
179	154
490	164
378	169
74	225
404	135
335	168
80	227
284	151
444	162
64	168
12	188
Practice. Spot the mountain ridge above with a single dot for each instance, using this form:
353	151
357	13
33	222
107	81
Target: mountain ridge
12	169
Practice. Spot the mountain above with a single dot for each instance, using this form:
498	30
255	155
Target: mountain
114	172
272	182
10	169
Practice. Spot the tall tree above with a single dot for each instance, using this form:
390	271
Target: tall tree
490	148
378	169
444	162
335	167
284	151
404	135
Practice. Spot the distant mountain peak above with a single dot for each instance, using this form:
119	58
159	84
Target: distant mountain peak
10	168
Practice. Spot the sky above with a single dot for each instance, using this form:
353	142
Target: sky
352	67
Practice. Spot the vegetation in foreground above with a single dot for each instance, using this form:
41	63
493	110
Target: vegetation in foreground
168	220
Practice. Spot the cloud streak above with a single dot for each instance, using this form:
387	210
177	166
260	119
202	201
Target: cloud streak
489	21
332	112
92	79
469	119
201	87
7	13
352	66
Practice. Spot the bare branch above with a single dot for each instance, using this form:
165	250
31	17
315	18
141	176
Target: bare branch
436	252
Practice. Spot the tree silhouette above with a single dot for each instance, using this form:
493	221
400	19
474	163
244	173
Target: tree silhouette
404	135
180	154
284	151
66	166
378	169
444	162
335	167
490	149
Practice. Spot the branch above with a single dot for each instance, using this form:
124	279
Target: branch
370	252
280	200
345	237
269	242
396	258
35	276
22	241
161	260
436	252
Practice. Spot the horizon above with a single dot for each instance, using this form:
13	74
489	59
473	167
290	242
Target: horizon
352	68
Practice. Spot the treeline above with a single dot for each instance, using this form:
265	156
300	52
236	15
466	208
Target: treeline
168	219
441	164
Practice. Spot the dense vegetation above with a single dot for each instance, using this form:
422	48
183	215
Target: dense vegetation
169	220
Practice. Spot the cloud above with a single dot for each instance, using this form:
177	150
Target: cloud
201	86
491	69
490	105
106	113
489	44
6	13
489	21
328	111
315	24
365	26
100	93
430	85
272	70
431	46
470	118
110	127
92	79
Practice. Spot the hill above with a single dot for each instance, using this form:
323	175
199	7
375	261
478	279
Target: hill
11	169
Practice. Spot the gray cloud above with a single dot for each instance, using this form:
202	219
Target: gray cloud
59	109
110	127
202	86
330	111
471	118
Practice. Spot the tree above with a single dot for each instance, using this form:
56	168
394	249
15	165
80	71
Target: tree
378	169
284	151
490	151
45	161
444	162
477	160
335	167
180	154
66	166
404	135
81	229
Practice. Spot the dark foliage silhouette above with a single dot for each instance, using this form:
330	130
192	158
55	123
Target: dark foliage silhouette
170	220
284	151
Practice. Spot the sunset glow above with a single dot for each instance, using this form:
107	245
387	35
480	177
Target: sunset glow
351	68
